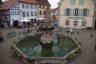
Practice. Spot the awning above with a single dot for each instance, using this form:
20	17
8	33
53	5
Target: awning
25	20
40	18
32	18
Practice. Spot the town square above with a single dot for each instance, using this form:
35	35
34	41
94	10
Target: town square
48	32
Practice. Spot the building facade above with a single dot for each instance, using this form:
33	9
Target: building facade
16	10
53	14
76	13
43	6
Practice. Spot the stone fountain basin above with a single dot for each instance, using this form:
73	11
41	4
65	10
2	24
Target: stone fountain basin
30	47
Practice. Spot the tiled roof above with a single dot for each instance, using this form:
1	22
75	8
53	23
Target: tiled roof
28	1
7	4
43	2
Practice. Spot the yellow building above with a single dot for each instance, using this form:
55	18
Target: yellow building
76	13
43	6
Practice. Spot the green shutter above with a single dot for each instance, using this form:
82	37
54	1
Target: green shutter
87	12
71	11
65	12
81	12
78	11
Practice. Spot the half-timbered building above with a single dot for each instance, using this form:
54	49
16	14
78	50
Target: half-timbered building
16	10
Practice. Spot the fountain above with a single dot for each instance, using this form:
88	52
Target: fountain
46	40
46	44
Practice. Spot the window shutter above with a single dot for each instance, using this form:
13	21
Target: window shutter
87	12
78	11
71	12
65	12
81	12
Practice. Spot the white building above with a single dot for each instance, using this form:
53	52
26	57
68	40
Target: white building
76	13
16	10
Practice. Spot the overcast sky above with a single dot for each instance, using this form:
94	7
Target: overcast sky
52	2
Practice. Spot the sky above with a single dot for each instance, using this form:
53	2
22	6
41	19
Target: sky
52	2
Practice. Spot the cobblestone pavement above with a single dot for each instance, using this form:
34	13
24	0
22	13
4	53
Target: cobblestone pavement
88	55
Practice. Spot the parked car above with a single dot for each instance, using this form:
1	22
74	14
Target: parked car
1	36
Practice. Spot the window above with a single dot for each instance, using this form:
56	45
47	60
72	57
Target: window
76	12
23	6
35	13
39	6
81	2
31	13
31	6
27	6
34	7
84	23
23	14
27	13
40	12
67	11
67	23
75	23
85	12
72	2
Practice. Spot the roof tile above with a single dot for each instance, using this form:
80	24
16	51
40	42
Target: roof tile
7	5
